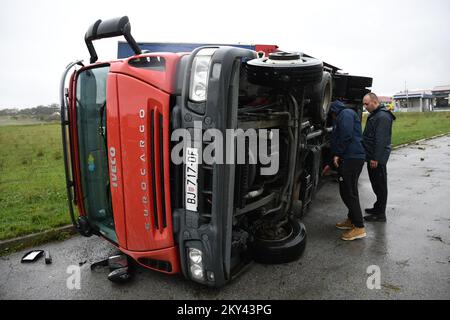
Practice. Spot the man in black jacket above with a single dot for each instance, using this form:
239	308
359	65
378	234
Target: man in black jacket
349	157
377	143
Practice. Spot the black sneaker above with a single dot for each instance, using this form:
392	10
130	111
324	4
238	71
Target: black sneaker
371	211
375	218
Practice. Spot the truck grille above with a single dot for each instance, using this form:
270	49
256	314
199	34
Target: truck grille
157	170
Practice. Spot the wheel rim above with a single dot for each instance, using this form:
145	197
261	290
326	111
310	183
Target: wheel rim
281	56
289	230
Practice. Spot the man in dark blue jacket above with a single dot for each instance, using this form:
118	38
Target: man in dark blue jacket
377	144
349	158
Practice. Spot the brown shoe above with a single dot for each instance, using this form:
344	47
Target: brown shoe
346	225
355	233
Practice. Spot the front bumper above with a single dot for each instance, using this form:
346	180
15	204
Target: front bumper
210	228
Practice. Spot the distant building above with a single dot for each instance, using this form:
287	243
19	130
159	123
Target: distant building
441	96
414	101
436	99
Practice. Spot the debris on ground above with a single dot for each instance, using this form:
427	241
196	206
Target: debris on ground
391	287
32	256
80	264
403	263
99	264
48	257
436	238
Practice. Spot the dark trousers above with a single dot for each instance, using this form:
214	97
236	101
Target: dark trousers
378	179
349	171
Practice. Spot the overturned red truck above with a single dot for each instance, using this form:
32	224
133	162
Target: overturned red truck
204	219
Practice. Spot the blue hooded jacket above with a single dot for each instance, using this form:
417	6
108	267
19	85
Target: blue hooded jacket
346	139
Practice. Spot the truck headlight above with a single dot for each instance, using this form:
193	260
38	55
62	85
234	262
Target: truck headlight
200	75
195	256
195	264
197	272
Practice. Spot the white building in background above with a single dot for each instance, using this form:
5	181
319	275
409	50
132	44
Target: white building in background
436	99
414	101
441	96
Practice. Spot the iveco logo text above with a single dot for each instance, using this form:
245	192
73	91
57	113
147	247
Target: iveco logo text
113	164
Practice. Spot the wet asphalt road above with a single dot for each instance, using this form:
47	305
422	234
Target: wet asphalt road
412	250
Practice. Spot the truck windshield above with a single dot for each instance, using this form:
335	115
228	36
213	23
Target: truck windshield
91	124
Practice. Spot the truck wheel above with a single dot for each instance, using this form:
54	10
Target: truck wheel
321	99
283	250
284	69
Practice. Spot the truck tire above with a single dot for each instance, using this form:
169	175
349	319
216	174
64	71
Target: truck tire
321	97
282	69
281	251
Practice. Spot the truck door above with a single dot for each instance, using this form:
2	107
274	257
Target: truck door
90	109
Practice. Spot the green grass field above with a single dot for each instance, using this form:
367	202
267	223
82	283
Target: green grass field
32	184
32	191
412	126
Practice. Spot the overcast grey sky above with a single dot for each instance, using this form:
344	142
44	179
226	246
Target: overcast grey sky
392	41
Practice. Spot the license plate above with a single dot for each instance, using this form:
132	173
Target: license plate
191	176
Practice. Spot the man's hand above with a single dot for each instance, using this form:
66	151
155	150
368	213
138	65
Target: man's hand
336	161
373	164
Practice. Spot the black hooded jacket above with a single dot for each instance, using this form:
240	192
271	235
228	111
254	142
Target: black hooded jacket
377	135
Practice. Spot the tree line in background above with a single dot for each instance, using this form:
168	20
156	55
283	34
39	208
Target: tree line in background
41	113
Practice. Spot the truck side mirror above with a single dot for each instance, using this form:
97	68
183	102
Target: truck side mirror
109	29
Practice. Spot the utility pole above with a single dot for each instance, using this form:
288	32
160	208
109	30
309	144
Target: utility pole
407	97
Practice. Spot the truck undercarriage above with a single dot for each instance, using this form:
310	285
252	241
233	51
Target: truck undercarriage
258	131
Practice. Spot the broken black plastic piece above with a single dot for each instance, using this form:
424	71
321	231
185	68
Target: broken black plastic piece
117	262
120	275
103	263
48	257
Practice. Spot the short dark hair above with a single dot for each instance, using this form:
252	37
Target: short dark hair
373	97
